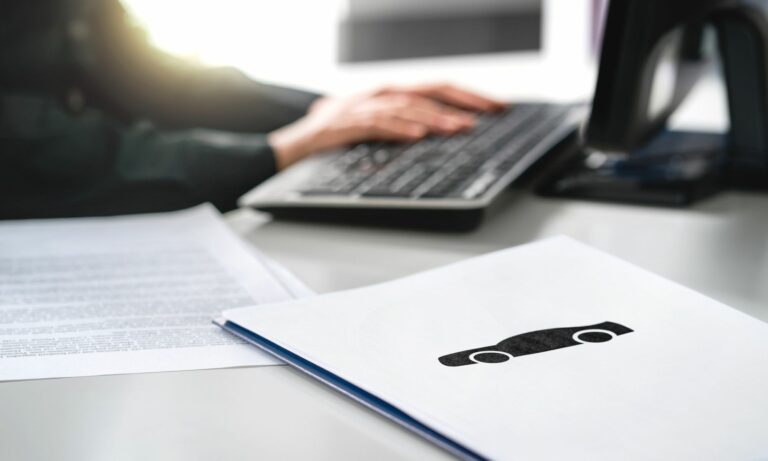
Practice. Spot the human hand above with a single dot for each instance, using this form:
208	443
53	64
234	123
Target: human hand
395	113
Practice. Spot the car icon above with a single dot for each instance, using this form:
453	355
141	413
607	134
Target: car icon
536	341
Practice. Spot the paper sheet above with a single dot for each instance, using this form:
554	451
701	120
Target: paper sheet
671	374
130	294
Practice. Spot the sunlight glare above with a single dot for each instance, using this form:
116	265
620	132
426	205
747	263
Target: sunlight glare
269	38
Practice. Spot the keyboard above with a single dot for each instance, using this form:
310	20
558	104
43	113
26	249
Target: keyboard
460	172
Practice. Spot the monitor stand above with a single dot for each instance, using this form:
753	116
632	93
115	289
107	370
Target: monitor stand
678	168
675	169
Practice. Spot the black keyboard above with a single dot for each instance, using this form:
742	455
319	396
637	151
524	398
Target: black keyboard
462	166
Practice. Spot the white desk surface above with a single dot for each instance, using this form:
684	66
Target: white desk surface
719	247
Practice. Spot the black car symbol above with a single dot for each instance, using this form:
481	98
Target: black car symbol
536	341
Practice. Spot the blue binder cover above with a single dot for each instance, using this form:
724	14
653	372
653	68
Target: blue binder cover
350	390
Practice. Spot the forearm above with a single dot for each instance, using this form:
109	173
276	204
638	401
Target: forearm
91	166
202	165
224	99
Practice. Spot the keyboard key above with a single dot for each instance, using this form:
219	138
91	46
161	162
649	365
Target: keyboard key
481	184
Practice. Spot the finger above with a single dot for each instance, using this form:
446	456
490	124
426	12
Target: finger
430	104
460	97
435	119
398	129
384	128
421	109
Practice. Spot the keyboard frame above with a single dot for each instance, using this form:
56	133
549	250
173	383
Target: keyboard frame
279	195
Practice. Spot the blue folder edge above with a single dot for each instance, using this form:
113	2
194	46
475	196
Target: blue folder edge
349	389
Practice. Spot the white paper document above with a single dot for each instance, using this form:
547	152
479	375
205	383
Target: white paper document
548	351
128	294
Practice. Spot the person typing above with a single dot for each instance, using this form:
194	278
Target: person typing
95	121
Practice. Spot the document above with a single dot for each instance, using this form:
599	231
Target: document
551	350
130	294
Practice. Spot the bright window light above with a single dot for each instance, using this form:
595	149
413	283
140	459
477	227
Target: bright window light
268	39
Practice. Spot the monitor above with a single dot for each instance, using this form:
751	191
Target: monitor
648	65
650	60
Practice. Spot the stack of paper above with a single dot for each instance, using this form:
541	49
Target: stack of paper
547	351
128	294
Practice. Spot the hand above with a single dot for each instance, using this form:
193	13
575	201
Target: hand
400	114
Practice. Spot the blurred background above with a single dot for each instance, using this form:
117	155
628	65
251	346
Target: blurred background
316	44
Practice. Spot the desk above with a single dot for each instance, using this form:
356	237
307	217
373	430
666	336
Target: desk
718	247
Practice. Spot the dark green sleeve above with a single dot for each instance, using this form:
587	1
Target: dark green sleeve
58	164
